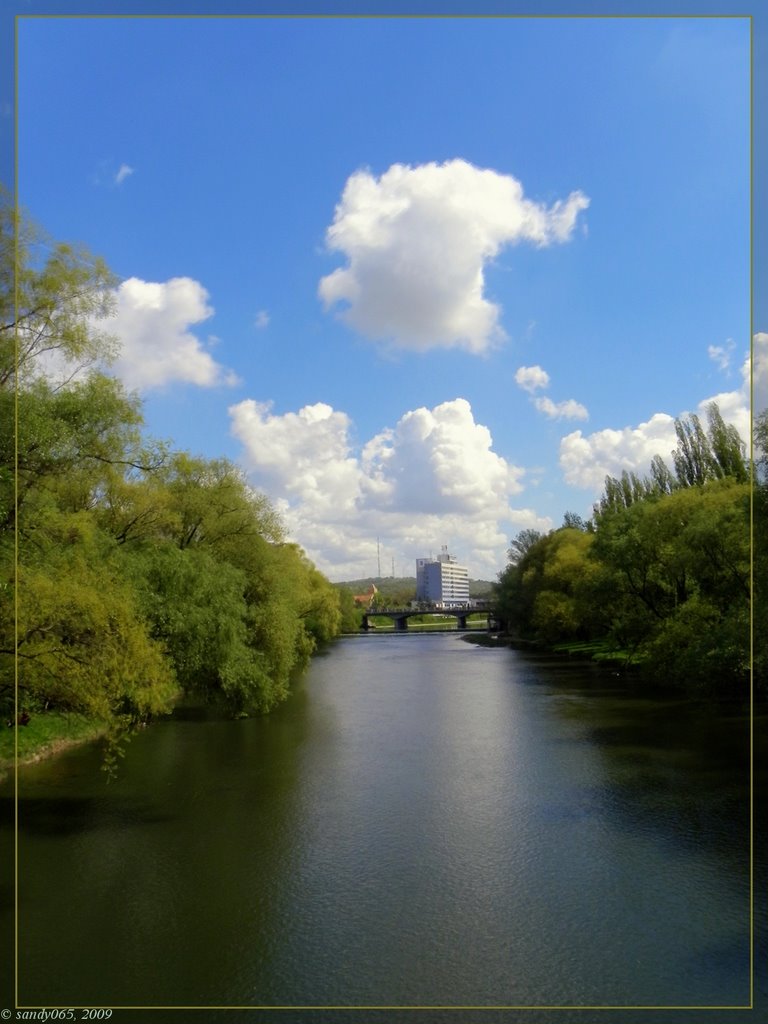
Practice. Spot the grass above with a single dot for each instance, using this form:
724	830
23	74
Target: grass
597	650
46	733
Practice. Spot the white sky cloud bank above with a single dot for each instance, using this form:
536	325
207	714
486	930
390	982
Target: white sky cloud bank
432	479
586	461
157	348
417	240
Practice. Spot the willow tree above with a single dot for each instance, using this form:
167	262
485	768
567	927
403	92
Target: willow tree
80	641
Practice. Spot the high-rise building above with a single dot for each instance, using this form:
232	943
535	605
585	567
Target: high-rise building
442	581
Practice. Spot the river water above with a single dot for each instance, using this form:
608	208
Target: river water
425	823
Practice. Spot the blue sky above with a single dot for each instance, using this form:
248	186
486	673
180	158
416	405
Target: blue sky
426	280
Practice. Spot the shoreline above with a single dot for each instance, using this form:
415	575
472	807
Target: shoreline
45	747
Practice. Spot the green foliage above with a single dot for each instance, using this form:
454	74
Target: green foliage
701	649
141	572
574	521
70	441
195	608
351	615
699	457
708	455
680	561
82	644
693	458
728	449
542	594
50	300
522	544
322	614
664	573
760	549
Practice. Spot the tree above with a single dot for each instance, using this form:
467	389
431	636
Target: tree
572	521
760	432
197	610
693	458
70	440
708	455
728	449
141	572
522	544
351	615
760	551
542	594
622	492
215	506
682	560
52	296
663	480
82	642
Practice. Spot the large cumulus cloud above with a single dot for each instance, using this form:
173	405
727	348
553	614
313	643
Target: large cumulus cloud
417	240
432	478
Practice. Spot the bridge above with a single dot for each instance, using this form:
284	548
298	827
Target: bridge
400	616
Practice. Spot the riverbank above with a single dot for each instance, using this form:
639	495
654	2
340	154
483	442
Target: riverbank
596	651
46	734
636	672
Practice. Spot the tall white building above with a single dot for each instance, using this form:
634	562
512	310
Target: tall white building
442	581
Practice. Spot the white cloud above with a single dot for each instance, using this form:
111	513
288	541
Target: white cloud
567	410
152	323
760	371
301	457
431	479
261	320
417	240
439	461
721	354
586	461
124	172
532	378
735	405
150	339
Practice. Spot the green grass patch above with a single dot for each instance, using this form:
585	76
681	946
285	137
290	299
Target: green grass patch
597	650
46	733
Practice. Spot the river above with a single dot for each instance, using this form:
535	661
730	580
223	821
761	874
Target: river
425	823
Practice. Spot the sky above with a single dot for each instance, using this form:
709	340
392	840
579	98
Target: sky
426	280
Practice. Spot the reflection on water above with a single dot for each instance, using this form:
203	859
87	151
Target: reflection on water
426	822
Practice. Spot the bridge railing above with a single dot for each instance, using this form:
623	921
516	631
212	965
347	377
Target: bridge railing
453	610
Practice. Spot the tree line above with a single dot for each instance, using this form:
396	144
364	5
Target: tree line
662	575
131	573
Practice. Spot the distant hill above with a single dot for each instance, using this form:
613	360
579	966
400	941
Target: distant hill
404	587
